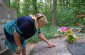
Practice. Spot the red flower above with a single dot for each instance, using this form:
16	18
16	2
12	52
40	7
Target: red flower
77	24
75	30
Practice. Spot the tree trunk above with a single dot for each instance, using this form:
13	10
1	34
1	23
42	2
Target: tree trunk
18	7
54	12
35	6
46	7
9	3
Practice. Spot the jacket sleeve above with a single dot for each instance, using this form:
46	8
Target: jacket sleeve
39	31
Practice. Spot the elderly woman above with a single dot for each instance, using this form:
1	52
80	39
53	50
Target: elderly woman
20	29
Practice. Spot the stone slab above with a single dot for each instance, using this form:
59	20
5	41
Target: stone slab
42	48
77	48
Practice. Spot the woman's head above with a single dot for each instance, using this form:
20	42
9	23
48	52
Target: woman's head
39	15
41	19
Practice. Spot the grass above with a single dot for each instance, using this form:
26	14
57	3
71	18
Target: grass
47	31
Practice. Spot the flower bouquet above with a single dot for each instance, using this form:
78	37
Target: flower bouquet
68	33
70	36
62	30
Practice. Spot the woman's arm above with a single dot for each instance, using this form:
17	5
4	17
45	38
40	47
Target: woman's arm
44	39
17	41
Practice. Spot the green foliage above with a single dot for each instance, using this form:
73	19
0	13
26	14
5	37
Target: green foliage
66	17
71	39
67	10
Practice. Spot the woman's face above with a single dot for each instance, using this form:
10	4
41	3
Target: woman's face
41	23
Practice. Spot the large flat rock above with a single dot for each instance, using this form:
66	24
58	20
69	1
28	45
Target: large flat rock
42	48
77	48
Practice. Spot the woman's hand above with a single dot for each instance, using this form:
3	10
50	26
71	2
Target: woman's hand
19	50
51	44
44	39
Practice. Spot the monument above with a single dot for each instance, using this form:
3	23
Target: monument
6	14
